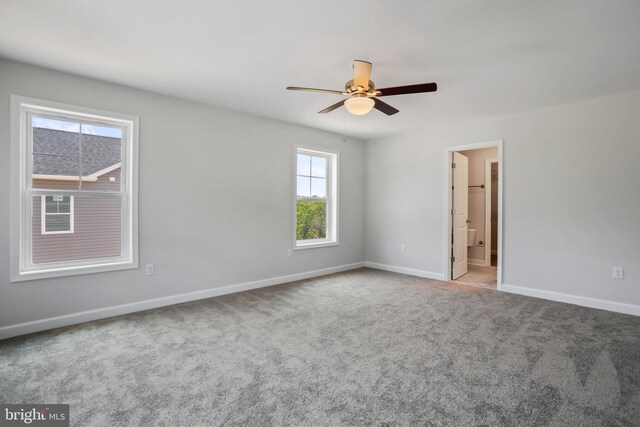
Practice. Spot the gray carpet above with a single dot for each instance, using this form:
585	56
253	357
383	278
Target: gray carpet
358	348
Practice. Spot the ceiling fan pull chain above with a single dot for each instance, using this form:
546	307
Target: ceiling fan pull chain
344	126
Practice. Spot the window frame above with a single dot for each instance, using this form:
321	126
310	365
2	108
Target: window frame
43	219
332	238
22	191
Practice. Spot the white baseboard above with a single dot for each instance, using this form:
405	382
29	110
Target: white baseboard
102	313
479	262
405	270
618	307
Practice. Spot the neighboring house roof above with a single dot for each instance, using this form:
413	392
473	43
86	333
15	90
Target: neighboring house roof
57	152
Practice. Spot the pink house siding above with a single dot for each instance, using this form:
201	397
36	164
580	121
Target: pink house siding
97	223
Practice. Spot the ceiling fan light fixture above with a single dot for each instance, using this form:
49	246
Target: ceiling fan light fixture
359	105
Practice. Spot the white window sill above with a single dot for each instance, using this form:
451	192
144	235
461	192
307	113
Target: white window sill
311	245
73	271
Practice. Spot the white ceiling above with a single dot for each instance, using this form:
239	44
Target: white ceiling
488	57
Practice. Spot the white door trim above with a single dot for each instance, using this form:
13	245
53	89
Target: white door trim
448	202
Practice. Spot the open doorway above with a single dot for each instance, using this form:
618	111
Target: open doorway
473	228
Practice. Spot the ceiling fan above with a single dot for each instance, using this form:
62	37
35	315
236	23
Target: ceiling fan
363	95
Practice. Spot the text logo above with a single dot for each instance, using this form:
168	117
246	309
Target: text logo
40	415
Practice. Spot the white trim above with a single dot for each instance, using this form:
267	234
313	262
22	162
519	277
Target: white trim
618	307
101	313
89	178
310	244
614	306
63	178
83	193
43	219
86	266
448	155
479	262
405	270
332	200
22	267
105	170
16	183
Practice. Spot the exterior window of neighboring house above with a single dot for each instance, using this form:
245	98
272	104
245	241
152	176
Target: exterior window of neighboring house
74	190
316	205
57	214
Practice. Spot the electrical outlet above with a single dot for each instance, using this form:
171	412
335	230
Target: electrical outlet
403	248
618	273
149	269
289	253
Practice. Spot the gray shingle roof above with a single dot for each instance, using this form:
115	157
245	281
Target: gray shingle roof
57	152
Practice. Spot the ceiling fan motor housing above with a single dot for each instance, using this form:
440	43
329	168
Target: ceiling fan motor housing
353	90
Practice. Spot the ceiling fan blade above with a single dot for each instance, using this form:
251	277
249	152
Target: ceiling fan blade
332	107
406	90
384	107
311	89
361	73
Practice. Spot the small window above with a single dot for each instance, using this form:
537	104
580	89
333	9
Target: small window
74	193
316	198
56	214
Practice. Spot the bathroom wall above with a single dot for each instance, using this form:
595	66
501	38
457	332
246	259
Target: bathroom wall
477	207
494	208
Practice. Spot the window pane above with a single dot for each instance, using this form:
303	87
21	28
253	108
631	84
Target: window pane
56	154
58	204
304	165
102	131
57	223
319	167
304	187
97	228
65	205
101	159
50	205
312	220
55	124
318	187
61	154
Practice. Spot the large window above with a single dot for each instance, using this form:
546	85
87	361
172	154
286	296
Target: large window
74	190
316	198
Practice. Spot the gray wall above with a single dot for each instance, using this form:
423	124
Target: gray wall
216	195
571	197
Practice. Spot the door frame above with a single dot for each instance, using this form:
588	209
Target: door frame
448	158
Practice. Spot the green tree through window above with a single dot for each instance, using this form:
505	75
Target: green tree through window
312	220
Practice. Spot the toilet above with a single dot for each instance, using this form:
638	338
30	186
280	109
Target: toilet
471	237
